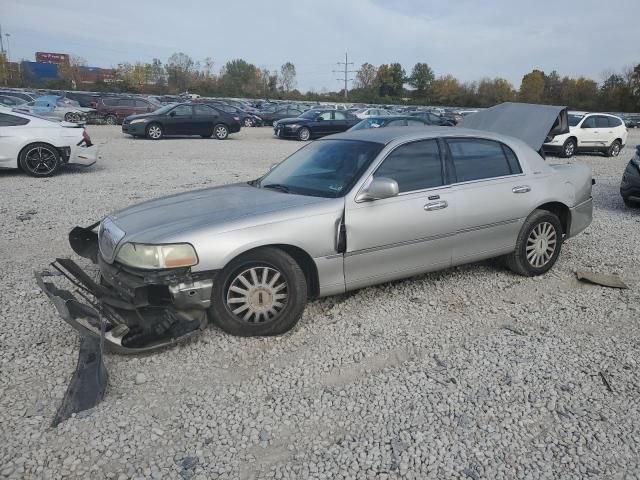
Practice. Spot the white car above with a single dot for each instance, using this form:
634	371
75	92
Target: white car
39	146
597	132
371	112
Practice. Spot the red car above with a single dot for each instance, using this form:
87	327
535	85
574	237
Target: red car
113	110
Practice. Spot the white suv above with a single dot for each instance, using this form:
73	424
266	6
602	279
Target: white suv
590	132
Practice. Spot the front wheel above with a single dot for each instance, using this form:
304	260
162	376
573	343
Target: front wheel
221	131
569	148
39	160
154	131
538	245
261	293
304	134
614	149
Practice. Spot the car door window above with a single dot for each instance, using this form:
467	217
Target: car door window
415	123
614	122
415	166
397	123
127	102
589	122
182	110
141	104
326	116
477	159
11	120
202	110
339	116
602	122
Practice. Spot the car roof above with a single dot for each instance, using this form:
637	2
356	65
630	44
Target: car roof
388	135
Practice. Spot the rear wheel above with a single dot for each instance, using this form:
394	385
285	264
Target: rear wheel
39	160
263	292
221	131
72	117
538	245
614	149
304	134
248	122
569	148
111	120
154	131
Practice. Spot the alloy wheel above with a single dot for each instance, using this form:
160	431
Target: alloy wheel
248	122
615	149
305	134
221	132
155	132
541	244
40	161
569	149
257	295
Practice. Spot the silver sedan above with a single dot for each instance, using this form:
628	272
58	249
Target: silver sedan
342	213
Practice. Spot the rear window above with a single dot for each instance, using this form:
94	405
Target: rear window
477	159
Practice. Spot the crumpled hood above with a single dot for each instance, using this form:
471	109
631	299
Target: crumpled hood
168	218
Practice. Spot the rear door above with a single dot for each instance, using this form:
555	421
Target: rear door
323	124
492	196
126	107
142	106
204	118
340	122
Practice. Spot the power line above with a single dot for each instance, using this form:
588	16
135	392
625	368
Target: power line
346	73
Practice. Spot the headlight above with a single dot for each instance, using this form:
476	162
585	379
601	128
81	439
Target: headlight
292	126
138	120
152	257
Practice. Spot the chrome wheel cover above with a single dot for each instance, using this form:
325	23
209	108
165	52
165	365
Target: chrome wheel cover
40	160
221	131
615	151
257	295
569	149
155	132
541	244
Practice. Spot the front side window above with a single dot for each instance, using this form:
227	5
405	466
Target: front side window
397	123
415	166
182	110
477	159
324	168
589	122
574	120
326	116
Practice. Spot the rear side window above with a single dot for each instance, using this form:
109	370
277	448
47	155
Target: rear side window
415	166
477	159
141	103
11	120
202	110
602	122
614	122
127	102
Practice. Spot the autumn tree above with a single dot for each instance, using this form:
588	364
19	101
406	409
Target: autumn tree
365	77
532	87
446	90
288	77
494	91
179	69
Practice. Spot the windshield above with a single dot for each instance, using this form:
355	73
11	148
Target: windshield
368	123
325	168
575	119
310	114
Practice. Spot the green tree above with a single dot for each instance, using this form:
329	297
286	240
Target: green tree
239	77
179	69
398	78
421	79
532	87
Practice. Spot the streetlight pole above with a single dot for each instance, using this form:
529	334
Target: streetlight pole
8	52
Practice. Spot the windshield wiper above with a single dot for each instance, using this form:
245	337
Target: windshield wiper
277	186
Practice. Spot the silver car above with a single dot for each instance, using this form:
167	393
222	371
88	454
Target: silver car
345	212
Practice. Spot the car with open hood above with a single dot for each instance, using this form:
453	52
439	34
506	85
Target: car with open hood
315	123
344	212
57	107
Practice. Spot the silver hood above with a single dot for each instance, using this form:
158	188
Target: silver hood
214	209
528	122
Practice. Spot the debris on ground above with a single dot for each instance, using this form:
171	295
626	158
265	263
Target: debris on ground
606	280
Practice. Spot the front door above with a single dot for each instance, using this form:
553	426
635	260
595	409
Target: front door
324	124
594	132
407	234
179	121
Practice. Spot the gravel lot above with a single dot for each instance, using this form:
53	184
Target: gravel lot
468	373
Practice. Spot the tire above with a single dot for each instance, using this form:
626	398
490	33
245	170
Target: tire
569	148
630	203
71	117
534	244
154	131
248	122
111	120
267	317
221	131
304	134
39	160
614	149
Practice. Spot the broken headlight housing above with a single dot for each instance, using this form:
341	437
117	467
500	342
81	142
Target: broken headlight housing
156	257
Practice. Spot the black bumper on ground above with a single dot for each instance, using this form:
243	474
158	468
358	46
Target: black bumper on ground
630	185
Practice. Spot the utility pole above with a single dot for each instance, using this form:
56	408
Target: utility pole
346	73
5	58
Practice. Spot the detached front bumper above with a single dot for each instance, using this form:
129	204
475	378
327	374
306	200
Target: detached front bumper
85	156
131	311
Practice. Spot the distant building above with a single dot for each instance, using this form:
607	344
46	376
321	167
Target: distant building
41	71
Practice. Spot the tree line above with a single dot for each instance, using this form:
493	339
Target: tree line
386	83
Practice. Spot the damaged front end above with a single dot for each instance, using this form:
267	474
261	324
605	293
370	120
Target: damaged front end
130	310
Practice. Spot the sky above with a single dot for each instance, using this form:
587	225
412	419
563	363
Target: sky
470	39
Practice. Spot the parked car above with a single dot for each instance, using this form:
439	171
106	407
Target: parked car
590	132
40	147
182	119
315	124
389	121
632	121
113	110
84	99
246	119
57	107
454	117
370	112
9	101
342	213
433	119
630	185
273	117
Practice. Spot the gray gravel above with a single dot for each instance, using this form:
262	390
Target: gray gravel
471	373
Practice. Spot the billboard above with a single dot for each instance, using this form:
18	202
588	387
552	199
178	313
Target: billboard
49	57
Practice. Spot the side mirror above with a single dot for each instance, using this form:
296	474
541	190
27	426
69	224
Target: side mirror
172	113
379	189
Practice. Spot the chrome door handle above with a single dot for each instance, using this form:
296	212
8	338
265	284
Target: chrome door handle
436	205
521	189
